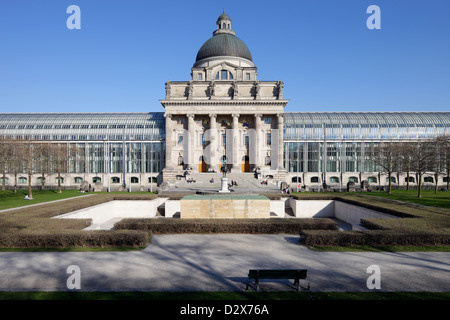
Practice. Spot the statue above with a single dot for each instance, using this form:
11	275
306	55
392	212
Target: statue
224	167
279	89
168	89
211	89
257	88
190	89
235	89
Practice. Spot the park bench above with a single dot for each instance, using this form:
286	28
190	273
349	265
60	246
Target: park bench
276	274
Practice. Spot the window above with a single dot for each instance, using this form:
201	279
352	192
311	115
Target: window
334	180
59	180
224	139
393	180
6	180
78	180
268	138
180	120
247	76
200	76
268	120
428	179
411	179
314	179
115	180
96	179
353	179
372	179
294	179
180	138
22	180
134	180
224	75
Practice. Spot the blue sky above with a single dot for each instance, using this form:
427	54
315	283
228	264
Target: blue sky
321	49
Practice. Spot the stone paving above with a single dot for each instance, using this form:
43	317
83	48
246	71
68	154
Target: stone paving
221	263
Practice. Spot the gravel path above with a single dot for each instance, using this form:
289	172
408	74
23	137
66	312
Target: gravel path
221	263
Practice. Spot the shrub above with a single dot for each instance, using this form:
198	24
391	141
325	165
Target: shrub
372	238
253	226
122	238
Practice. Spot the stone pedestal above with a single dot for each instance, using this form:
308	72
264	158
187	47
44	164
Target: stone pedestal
224	206
224	185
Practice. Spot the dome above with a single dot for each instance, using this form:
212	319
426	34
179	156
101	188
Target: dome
224	44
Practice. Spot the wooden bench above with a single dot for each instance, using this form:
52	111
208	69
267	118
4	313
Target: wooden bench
275	274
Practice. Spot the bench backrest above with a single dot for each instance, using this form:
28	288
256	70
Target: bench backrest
277	274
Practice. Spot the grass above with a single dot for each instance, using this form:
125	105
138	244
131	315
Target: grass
429	198
8	199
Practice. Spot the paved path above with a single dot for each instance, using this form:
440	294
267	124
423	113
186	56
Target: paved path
221	263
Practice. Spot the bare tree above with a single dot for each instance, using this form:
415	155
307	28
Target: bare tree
421	155
406	160
385	155
439	161
58	158
4	151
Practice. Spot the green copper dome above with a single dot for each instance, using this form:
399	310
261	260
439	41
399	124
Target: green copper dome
224	44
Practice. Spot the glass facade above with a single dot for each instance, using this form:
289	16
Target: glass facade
134	143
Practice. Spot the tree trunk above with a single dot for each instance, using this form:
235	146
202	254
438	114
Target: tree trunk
389	185
419	189
30	189
59	181
407	180
4	182
436	177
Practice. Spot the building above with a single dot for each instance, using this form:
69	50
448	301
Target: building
224	116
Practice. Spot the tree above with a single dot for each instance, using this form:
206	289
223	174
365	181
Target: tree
421	152
385	155
58	158
405	160
29	152
440	162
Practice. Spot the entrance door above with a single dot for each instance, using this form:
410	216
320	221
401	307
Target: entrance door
202	167
245	164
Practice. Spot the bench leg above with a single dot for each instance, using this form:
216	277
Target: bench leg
297	283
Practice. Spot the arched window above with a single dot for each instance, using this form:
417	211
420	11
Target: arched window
353	179
134	180
294	179
59	180
393	180
314	179
115	180
224	75
96	179
428	179
372	179
411	179
334	180
22	180
78	179
6	180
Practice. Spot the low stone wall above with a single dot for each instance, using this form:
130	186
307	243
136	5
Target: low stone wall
217	207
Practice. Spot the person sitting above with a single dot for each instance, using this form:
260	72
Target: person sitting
27	197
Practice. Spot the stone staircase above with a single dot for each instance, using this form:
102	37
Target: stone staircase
212	181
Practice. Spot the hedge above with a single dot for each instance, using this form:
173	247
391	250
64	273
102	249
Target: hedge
372	238
252	226
122	238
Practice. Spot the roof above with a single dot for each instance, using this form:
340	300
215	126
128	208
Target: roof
224	44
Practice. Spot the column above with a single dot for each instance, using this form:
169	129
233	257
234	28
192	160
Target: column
280	125
189	153
236	164
169	142
259	142
213	143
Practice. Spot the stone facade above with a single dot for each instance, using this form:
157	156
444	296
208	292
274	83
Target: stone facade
224	113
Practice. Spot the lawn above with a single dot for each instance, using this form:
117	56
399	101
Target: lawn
429	198
10	200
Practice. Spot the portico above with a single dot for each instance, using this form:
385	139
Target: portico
224	112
